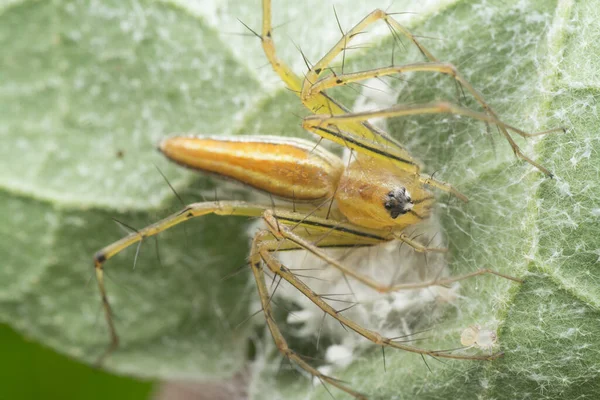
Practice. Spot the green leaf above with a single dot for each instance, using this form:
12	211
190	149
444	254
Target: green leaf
87	89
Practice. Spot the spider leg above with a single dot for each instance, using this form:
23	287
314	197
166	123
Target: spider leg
313	87
281	228
374	16
225	208
261	245
291	80
332	81
443	186
418	247
276	267
324	123
281	231
320	103
191	211
435	67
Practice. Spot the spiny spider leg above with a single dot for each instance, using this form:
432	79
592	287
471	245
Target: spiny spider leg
325	61
259	244
323	104
325	123
311	93
313	87
346	235
191	211
281	231
277	268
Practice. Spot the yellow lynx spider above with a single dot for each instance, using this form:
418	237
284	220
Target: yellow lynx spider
369	201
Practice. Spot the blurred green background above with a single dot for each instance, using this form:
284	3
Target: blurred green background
31	371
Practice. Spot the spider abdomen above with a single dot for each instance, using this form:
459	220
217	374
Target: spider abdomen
289	168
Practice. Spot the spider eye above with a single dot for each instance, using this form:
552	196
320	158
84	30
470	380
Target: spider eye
398	202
